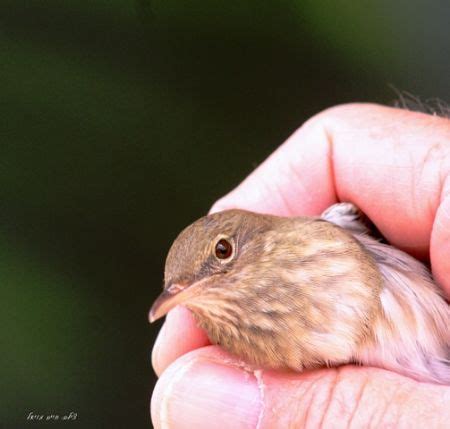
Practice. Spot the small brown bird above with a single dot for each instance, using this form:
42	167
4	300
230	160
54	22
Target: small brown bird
303	292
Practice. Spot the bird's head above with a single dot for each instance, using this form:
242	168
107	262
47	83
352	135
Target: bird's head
204	262
274	290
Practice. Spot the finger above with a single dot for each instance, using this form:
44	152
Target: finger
208	386
392	163
179	335
198	387
296	179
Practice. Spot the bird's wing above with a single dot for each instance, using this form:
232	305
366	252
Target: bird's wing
412	306
349	217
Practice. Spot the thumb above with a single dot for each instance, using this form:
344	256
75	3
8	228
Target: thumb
208	388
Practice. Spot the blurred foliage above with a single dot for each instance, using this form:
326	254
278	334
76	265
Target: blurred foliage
121	122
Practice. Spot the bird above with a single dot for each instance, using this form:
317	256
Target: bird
305	292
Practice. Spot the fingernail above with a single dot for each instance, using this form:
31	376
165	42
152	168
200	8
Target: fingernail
203	394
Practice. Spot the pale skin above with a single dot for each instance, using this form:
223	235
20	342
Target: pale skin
393	164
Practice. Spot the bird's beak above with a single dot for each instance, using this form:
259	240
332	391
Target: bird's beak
171	296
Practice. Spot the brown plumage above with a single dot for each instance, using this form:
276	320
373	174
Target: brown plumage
298	293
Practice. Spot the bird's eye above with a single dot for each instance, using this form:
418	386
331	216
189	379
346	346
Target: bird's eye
223	249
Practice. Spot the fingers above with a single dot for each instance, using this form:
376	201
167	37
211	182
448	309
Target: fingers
208	388
392	163
178	336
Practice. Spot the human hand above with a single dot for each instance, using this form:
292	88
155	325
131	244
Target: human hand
394	165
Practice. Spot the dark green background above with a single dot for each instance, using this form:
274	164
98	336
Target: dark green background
123	121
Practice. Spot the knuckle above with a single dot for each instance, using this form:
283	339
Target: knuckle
345	111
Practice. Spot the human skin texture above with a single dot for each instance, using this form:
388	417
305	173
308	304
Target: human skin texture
395	166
